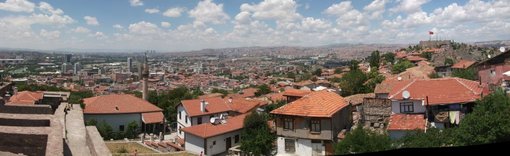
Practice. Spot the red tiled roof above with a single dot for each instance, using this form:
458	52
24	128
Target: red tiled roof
214	105
243	106
315	104
415	58
152	117
26	98
118	104
210	95
276	97
406	122
208	130
390	85
296	92
463	64
439	91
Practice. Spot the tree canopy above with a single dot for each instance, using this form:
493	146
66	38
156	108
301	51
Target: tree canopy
257	138
262	90
469	73
401	66
362	140
374	59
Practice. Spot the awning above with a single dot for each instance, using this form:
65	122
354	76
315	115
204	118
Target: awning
153	117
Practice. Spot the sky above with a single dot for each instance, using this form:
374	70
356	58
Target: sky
183	25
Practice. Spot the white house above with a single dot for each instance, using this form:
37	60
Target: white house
118	110
199	111
214	138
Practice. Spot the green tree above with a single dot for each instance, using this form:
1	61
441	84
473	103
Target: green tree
374	59
317	72
338	70
389	57
374	78
222	91
449	61
257	138
401	66
362	140
353	83
434	75
105	130
469	73
353	65
291	75
427	55
132	130
433	138
488	123
262	90
77	97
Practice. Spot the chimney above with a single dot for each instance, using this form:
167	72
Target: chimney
202	105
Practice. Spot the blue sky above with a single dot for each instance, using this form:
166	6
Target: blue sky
181	25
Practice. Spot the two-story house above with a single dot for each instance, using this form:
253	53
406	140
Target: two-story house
198	111
441	102
310	125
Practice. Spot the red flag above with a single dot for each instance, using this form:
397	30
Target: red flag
431	33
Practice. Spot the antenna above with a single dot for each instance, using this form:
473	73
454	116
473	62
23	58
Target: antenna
406	94
502	49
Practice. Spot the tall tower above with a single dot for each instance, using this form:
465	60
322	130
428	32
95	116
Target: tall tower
145	77
129	64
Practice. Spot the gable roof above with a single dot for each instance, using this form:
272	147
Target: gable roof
406	122
463	64
214	105
208	130
315	104
153	117
26	98
296	92
439	91
118	104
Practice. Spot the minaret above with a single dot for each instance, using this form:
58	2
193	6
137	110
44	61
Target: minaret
145	77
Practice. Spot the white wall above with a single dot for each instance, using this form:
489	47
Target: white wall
194	144
418	106
221	142
115	120
181	123
303	147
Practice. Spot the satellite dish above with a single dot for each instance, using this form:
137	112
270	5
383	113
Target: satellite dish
406	94
502	49
399	78
212	120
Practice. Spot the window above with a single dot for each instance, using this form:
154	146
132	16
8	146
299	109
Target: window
180	115
236	139
186	118
214	143
180	131
493	73
406	107
288	124
315	125
290	145
199	120
121	128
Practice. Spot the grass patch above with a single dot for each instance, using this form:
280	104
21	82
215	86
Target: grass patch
127	148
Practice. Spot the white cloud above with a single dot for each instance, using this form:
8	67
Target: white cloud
91	20
409	6
81	30
17	6
51	35
136	2
152	11
375	9
174	12
209	12
118	26
165	24
47	8
143	28
100	35
348	16
280	10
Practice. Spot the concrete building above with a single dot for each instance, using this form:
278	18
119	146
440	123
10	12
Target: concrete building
4	62
129	64
214	138
77	68
311	124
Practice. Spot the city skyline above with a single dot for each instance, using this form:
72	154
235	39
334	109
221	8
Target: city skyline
192	25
